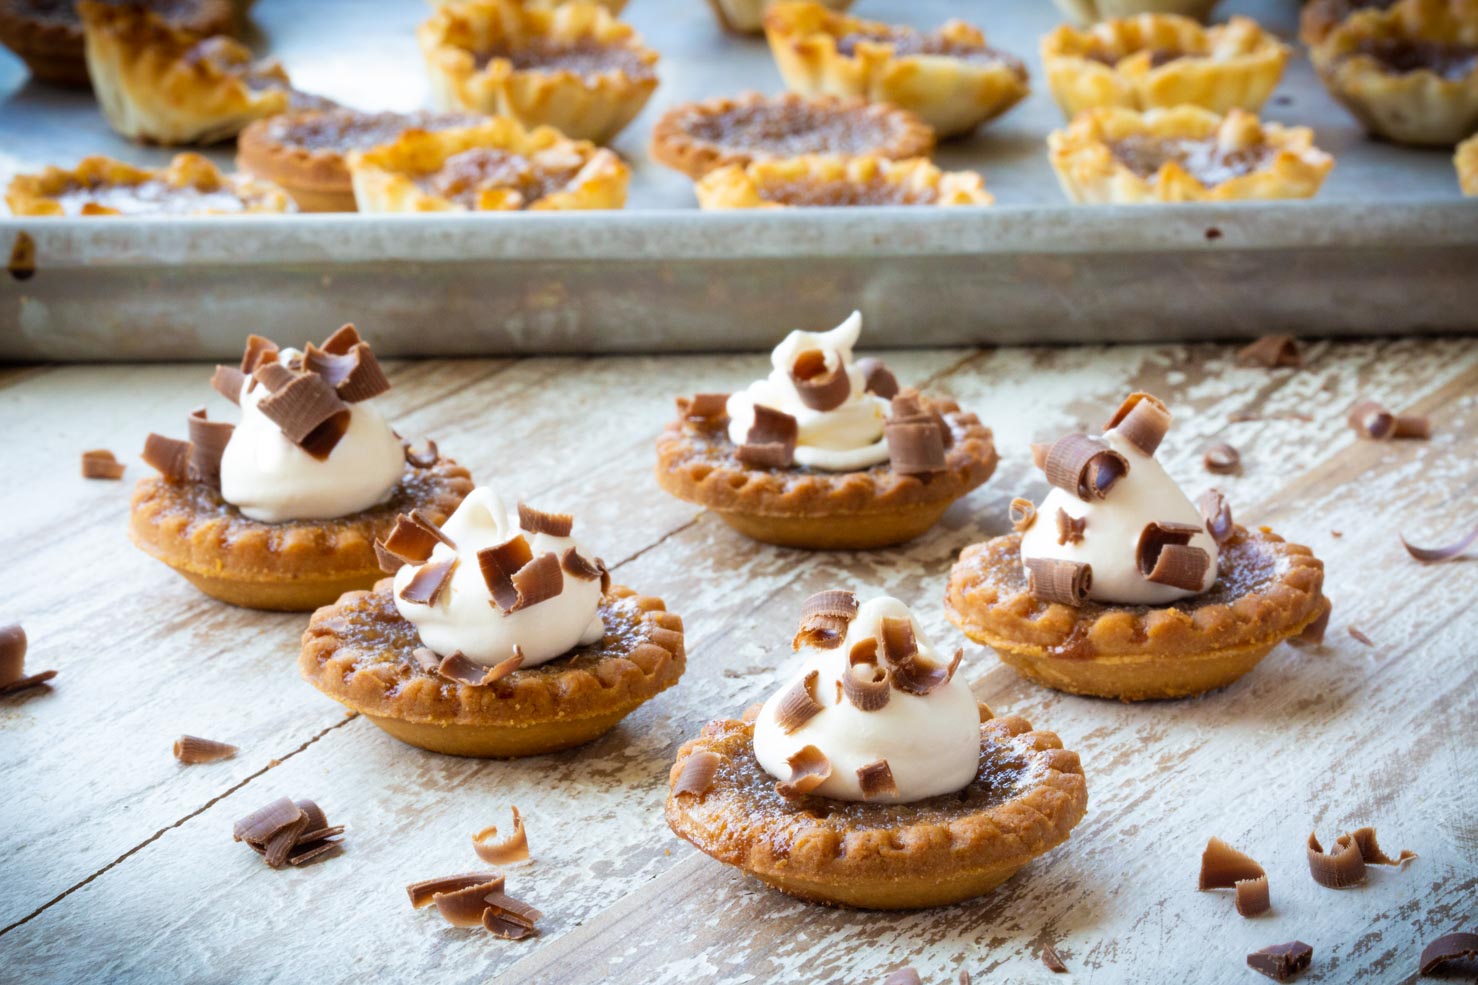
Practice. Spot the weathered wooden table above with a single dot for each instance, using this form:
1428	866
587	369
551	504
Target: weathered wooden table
118	862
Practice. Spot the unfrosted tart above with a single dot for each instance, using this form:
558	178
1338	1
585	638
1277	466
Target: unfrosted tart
748	16
1085	12
816	181
47	34
101	186
1466	162
1319	17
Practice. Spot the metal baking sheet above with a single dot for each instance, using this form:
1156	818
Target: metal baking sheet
1388	246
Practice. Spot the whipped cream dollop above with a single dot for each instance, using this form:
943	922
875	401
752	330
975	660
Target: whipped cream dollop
464	616
845	438
270	479
930	742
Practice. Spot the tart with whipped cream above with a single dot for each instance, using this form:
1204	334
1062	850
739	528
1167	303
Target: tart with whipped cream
812	181
825	452
1466	162
498	636
282	509
1408	73
1117	585
1161	60
1185	154
573	66
100	186
47	34
748	16
873	779
950	76
161	83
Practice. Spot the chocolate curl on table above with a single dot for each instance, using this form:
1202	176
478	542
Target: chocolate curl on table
427	584
509	918
1253	897
1165	558
1222	459
798	705
809	768
1372	421
514	848
1143	420
1223	867
1281	962
1053	580
1448	947
193	750
1086	467
916	437
771	440
696	776
1344	865
825	617
207	444
309	413
1052	960
877	378
1271	351
169	456
464	907
424	893
1217	514
1070	528
287	832
820	386
876	780
1023	513
1438	554
13	676
539	522
100	463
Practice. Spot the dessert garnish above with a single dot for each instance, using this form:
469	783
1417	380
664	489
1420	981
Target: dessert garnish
514	848
289	832
1281	962
1359	636
1272	351
1445	553
1371	420
1052	960
1224	867
1222	459
100	463
192	750
13	676
1344	864
476	899
1448	947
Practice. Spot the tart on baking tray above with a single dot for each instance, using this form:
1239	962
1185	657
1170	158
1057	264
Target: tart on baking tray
748	16
838	181
1089	11
100	186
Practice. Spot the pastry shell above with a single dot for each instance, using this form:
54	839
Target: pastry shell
1418	107
1267	591
1319	17
48	38
218	194
295	566
952	94
1231	65
799	507
748	16
890	857
1466	162
1090	172
1084	12
594	107
773	183
358	651
384	178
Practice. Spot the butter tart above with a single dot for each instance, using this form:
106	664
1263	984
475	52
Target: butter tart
160	83
696	138
1409	73
748	16
1084	12
1161	60
304	153
1185	154
573	67
100	186
838	181
1466	162
1319	17
496	165
950	76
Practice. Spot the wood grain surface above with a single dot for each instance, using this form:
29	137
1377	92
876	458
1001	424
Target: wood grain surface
119	863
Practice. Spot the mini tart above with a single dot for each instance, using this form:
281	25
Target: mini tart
838	181
950	77
156	82
305	152
191	185
47	34
1319	17
1025	799
1408	74
804	507
748	16
574	67
1161	60
1466	162
494	166
1185	154
1266	591
696	138
294	566
1084	12
359	650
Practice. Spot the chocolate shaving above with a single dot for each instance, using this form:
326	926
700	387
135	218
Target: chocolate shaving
278	847
1164	557
264	822
538	522
1253	898
1222	866
575	565
605	577
26	683
1040	451
169	456
1272	351
423	893
911	673
499	564
228	381
1372	421
323	847
426	659
820	387
1222	459
1359	636
876	780
538	581
696	776
915	438
513	911
1341	867
1053	960
877	378
1448	947
825	617
1084	466
355	375
13	645
1217	514
1054	580
274	376
903	976
462	669
707	408
408	543
276	830
809	768
345	338
207	444
427	584
423	459
766	456
1143	420
464	907
1415	426
494	923
1281	962
514	848
1446	553
772	427
100	463
191	750
309	413
1370	850
798	705
259	352
867	685
1070	528
1313	633
1023	513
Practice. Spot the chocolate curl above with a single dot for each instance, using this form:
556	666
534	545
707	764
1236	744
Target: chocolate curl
192	750
877	378
100	463
344	339
13	646
273	375
575	565
1164	557
1222	459
259	352
228	381
771	440
915	437
1341	867
426	659
423	893
809	768
1052	960
465	907
1217	513
169	456
1416	426
820	387
539	522
1040	450
1253	898
207	444
1084	466
309	413
1023	513
508	917
1271	351
261	824
514	848
1281	962
696	776
499	564
409	542
799	705
911	673
1070	528
1372	421
462	669
1143	420
1444	553
867	685
538	581
825	617
704	408
427	584
355	375
1448	947
423	459
1053	580
1223	866
876	780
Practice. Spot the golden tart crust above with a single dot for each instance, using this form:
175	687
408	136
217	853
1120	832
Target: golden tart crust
950	77
696	138
496	165
294	566
1466	162
1161	60
801	507
748	16
358	651
1184	154
838	181
1319	17
1027	796
98	186
574	67
1408	74
1084	12
1267	591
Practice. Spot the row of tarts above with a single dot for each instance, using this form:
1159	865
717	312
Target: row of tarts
1162	109
465	625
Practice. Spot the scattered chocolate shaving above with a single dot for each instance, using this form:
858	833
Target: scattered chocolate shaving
1341	867
1222	459
264	822
1415	426
1039	453
309	413
464	907
1164	557
100	463
207	445
798	705
169	456
538	522
426	659
876	780
287	832
1052	580
1070	528
707	408
462	669
499	564
423	893
697	773
1143	420
191	750
324	846
877	378
903	976
1361	637
1372	421
575	565
13	678
514	848
1445	553
1084	466
1222	866
280	845
494	923
809	768
820	387
1216	512
825	617
1053	960
1370	850
1023	513
1448	947
259	352
1253	898
423	459
509	918
1281	962
427	584
1313	633
1272	351
538	581
867	685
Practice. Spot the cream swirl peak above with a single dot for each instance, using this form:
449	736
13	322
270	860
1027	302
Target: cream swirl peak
1116	528
838	422
505	591
875	713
